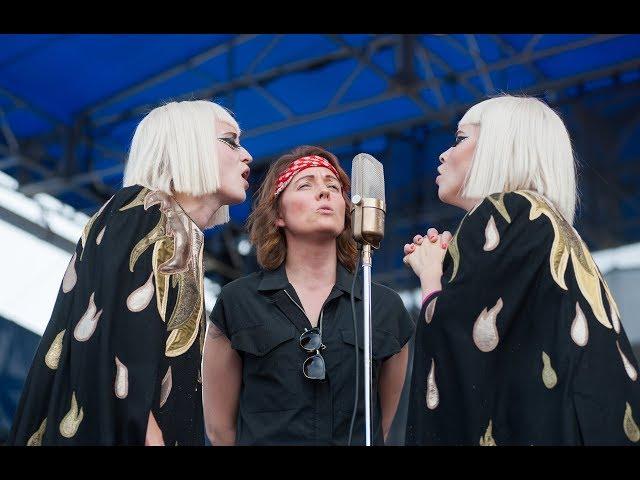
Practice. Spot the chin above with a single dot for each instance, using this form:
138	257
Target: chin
442	195
241	197
234	198
329	231
330	223
447	197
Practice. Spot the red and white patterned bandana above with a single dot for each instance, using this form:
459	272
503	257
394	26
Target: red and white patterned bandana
299	165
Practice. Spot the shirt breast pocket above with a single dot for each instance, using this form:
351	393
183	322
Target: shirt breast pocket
269	355
261	340
384	343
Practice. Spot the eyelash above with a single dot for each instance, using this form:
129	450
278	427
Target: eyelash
458	140
330	186
230	142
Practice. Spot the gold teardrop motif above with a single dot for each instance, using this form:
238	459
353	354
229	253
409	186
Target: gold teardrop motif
628	367
71	421
52	358
579	328
615	320
491	235
121	385
630	426
88	322
485	330
165	387
549	377
36	439
433	396
100	235
141	296
70	275
87	228
487	440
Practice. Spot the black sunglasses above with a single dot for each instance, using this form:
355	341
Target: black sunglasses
313	367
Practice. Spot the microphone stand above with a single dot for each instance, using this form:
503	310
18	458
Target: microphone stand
366	294
368	223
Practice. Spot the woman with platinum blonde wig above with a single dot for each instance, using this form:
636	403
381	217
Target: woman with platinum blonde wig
119	362
519	340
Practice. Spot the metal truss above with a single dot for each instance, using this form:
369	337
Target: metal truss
418	69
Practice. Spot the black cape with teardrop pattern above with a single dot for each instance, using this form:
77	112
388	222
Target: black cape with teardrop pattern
96	386
523	346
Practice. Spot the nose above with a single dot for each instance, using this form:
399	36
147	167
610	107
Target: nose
246	156
324	192
443	155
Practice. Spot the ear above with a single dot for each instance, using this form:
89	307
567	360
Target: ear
280	219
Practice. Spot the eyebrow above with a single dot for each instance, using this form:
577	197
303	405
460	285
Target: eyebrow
228	128
328	175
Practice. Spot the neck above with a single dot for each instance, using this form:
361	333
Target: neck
200	209
469	204
312	264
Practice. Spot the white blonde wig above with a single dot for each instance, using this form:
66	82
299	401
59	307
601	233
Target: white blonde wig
522	145
173	147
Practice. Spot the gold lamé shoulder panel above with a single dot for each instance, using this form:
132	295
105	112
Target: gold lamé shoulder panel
178	248
568	245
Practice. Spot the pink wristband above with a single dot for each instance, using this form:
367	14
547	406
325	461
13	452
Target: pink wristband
430	296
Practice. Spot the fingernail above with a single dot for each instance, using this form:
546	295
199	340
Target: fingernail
445	245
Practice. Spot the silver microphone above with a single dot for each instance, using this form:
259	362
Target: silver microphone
367	223
367	195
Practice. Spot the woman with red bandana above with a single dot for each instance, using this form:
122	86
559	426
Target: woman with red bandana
279	358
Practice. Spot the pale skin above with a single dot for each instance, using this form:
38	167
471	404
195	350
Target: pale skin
312	215
233	162
234	170
425	258
221	381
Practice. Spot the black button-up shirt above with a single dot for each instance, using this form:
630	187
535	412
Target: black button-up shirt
278	404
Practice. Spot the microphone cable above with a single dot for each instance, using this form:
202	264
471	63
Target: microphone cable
355	333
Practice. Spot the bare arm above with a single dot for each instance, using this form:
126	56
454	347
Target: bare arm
391	383
221	380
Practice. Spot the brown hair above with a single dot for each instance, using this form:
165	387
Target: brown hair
269	239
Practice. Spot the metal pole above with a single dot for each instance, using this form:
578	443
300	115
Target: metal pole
366	269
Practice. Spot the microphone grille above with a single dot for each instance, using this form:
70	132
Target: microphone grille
367	177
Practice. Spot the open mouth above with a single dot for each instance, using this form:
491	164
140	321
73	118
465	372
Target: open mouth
245	175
